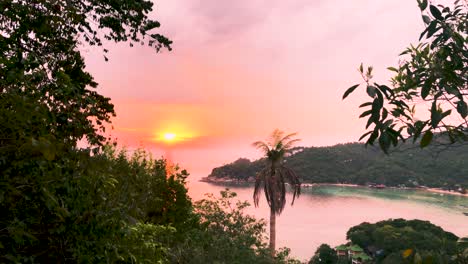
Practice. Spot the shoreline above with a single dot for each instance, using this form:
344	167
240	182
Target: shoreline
310	185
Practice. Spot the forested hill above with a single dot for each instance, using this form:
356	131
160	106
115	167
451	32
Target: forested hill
354	163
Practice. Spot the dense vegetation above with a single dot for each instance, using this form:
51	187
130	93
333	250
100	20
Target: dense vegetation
393	241
396	241
324	255
111	208
62	203
435	166
431	77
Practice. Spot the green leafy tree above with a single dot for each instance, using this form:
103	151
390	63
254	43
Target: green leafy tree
432	74
60	202
399	240
324	255
434	166
226	234
43	72
272	178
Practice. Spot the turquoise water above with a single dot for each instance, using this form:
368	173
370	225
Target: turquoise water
324	213
446	201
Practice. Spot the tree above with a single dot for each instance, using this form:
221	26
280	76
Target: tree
397	239
324	255
43	72
226	233
433	73
55	197
273	176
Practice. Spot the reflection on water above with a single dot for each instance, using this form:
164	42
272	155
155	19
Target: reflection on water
451	202
323	214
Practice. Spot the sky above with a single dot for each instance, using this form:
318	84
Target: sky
240	69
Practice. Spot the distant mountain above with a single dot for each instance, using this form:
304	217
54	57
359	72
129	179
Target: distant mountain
353	163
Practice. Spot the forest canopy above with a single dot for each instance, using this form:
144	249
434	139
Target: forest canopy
356	164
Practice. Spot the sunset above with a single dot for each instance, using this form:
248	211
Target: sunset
169	137
249	131
224	80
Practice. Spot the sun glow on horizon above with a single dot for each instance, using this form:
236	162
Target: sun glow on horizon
169	136
173	137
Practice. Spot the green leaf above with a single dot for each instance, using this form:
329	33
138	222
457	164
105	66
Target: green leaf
435	12
426	19
432	29
365	135
462	108
452	90
422	5
384	142
366	113
365	104
349	91
426	139
436	115
426	89
371	91
371	120
422	34
445	114
418	128
373	137
392	69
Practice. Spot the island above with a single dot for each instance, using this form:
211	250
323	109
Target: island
440	167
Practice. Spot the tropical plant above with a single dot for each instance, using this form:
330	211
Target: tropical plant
399	239
324	255
60	203
272	178
432	76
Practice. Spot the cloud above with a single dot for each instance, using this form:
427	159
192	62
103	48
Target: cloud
241	68
223	18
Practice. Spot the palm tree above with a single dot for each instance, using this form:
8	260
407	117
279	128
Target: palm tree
273	176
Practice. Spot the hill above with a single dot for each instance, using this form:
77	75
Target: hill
353	163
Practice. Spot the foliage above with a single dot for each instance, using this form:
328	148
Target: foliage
432	73
42	71
82	208
324	254
226	235
238	169
272	177
399	239
353	163
64	204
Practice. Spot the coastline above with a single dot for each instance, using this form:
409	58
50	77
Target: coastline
310	185
437	190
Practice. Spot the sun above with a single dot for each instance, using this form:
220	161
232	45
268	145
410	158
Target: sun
169	136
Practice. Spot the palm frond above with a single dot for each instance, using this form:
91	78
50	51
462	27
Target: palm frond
259	180
293	180
272	179
275	137
288	137
288	145
261	145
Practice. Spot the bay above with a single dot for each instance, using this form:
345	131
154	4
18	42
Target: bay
324	213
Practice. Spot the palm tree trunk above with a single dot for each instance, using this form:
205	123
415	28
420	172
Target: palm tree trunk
272	232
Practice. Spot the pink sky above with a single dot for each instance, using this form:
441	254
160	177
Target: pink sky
240	69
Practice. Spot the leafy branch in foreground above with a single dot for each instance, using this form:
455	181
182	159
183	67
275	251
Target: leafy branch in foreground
431	75
43	81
